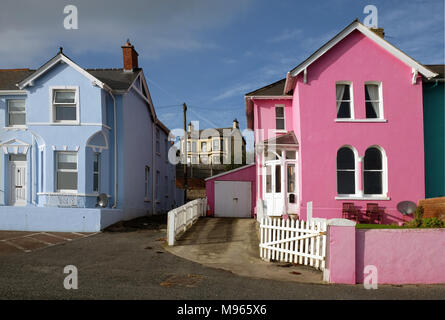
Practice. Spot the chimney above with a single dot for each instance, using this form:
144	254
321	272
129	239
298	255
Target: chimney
130	57
235	124
379	31
190	128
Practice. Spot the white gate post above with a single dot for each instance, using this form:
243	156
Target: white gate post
171	228
309	211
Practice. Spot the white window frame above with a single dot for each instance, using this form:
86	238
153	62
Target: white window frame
351	100
205	148
147	184
357	192
280	118
66	170
384	171
9	112
158	141
53	105
98	155
381	115
217	140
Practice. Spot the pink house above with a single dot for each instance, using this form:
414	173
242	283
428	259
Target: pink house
346	125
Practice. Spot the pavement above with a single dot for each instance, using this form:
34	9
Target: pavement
232	244
129	261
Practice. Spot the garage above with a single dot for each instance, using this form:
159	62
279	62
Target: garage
232	193
233	200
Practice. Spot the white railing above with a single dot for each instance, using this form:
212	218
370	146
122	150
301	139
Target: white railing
182	218
294	241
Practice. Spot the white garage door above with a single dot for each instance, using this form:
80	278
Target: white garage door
233	199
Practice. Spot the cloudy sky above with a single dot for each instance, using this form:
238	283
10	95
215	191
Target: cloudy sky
202	52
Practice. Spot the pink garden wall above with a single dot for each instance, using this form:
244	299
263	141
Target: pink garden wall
396	256
247	173
413	256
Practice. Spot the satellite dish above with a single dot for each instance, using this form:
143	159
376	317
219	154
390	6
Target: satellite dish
406	207
102	200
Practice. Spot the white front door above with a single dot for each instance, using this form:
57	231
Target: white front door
274	188
233	199
17	183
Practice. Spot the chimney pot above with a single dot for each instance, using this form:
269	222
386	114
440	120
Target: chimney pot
379	31
130	56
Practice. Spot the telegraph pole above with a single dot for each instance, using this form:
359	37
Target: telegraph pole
185	151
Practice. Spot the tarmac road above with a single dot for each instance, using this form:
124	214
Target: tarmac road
130	263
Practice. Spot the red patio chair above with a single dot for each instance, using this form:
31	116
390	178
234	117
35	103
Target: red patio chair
374	213
349	211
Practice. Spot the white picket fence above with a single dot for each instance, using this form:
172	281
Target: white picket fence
182	218
294	241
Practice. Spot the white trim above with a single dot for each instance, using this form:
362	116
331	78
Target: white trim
381	114
414	78
53	106
227	172
360	120
269	97
356	25
60	58
94	194
67	124
13	92
96	147
357	163
384	173
377	198
56	156
351	99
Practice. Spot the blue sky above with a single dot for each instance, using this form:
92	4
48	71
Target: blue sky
207	53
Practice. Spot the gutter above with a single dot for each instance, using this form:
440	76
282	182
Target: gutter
115	148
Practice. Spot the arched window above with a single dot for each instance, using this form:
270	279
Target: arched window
373	171
345	171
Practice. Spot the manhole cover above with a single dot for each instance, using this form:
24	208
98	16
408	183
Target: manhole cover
185	280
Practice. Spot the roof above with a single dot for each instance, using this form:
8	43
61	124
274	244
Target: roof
9	77
273	89
284	139
437	68
357	25
116	79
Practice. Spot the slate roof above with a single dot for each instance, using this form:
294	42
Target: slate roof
273	89
437	68
116	79
9	77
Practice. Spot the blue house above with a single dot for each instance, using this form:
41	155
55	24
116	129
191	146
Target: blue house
68	135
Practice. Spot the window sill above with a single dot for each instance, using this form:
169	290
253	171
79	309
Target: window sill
16	128
362	120
367	198
279	131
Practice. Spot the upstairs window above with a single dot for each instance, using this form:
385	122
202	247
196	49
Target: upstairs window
65	105
158	142
345	171
279	118
16	113
215	146
373	101
344	100
203	146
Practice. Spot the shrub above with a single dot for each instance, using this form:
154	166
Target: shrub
432	223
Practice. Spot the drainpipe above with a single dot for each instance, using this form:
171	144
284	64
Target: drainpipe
154	173
115	149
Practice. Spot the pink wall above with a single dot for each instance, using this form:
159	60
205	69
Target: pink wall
413	256
245	174
341	254
356	59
